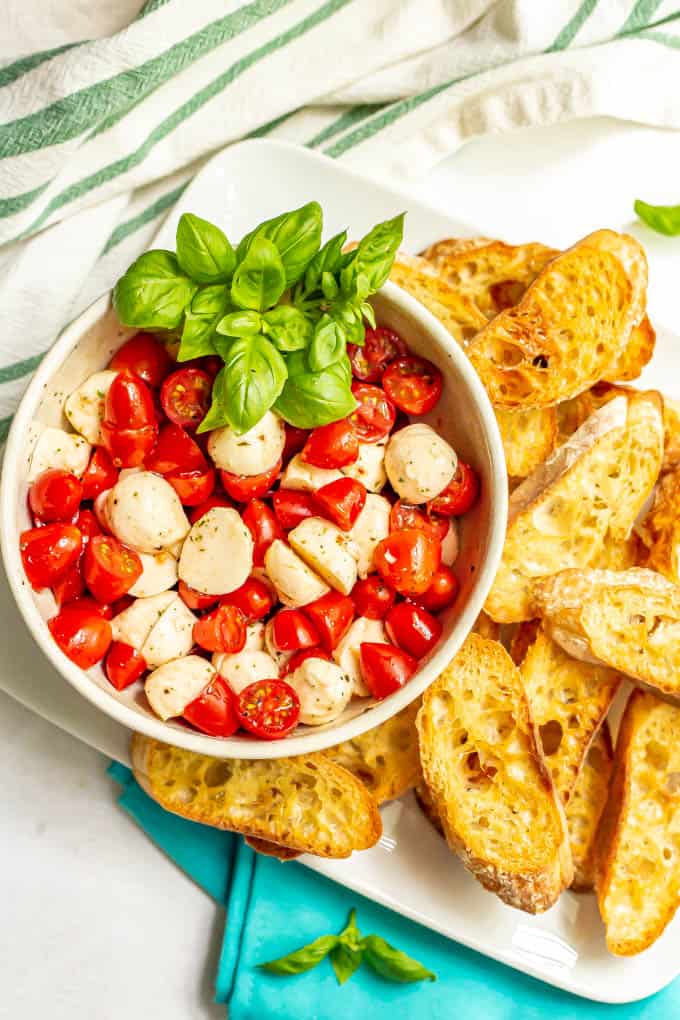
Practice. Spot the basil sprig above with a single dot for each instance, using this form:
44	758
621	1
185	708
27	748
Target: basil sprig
665	219
347	951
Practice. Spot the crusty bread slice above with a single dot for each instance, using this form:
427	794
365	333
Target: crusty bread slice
569	328
638	844
589	491
628	620
621	554
306	803
457	312
267	849
486	627
671	450
427	805
585	807
660	530
636	354
487	777
529	436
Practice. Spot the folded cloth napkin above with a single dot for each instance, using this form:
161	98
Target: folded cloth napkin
274	908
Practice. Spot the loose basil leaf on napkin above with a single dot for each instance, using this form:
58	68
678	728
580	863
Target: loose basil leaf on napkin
665	219
255	376
391	963
260	278
242	323
302	959
288	328
296	235
207	308
328	344
154	292
203	250
347	955
310	399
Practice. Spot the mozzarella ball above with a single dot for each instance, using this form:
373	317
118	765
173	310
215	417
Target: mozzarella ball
296	584
217	556
323	689
245	668
145	512
175	684
327	550
251	453
58	449
450	545
369	468
172	636
134	624
419	463
159	573
85	407
370	527
101	509
305	477
347	653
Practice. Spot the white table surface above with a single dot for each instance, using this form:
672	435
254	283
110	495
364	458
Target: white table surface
95	921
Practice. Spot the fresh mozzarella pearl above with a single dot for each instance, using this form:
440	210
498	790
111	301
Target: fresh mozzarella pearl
159	573
419	463
101	509
85	407
251	453
370	527
177	683
145	512
450	545
217	556
369	468
134	624
172	636
58	449
245	668
347	653
323	689
301	475
327	550
296	584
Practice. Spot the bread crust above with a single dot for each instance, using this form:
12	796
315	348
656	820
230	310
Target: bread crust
586	806
457	312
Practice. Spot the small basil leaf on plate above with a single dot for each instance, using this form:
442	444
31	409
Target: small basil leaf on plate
312	398
260	279
288	328
203	250
345	960
302	959
242	323
327	260
154	292
296	234
328	344
255	376
391	963
375	254
216	416
665	219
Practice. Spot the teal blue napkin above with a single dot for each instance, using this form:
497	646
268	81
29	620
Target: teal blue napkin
273	908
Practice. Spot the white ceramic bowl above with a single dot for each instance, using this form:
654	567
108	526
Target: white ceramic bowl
464	416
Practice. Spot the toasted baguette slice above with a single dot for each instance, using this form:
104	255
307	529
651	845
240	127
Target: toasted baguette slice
638	845
636	354
427	806
569	328
660	530
585	808
621	554
529	435
306	803
488	781
267	849
486	627
671	450
455	311
588	492
629	620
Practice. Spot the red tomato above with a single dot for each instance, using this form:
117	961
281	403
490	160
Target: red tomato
70	586
213	711
332	446
373	598
460	494
145	356
380	347
269	709
374	417
48	552
196	599
292	630
245	487
100	474
413	628
442	591
404	515
292	506
263	526
414	384
332	617
120	605
175	450
209	363
341	501
128	447
253	598
129	404
87	524
222	630
208	504
110	568
385	668
85	602
192	487
185	397
297	658
81	633
123	665
408	560
295	440
55	495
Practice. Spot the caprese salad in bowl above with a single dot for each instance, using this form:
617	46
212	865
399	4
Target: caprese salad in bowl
271	509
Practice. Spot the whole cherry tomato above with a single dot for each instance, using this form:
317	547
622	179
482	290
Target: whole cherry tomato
55	495
129	429
408	560
221	630
412	628
380	347
175	450
269	709
292	506
145	356
332	617
341	501
69	586
443	590
263	525
214	710
332	446
405	515
196	599
110	568
374	417
373	597
254	598
185	397
209	363
385	668
208	504
123	665
460	494
48	552
292	630
100	474
81	633
413	384
295	440
244	487
193	487
297	658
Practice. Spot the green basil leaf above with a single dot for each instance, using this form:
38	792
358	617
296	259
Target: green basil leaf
203	250
296	234
153	293
311	398
327	259
329	286
375	254
255	377
288	328
302	959
197	337
217	415
368	313
665	219
345	960
210	300
391	963
260	279
223	344
240	324
328	344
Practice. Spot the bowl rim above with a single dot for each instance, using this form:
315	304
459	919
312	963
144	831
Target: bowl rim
313	739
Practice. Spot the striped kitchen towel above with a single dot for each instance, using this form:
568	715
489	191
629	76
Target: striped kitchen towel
98	139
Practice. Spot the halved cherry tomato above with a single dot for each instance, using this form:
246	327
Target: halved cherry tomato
269	709
443	590
120	605
408	560
405	515
86	602
48	552
292	506
385	668
81	633
175	450
292	630
262	524
129	429
297	658
185	397
87	524
100	474
414	384
55	495
332	446
209	504
128	447
209	363
192	487
245	487
70	585
110	568
412	628
374	417
213	711
373	597
341	501
332	617
460	494
295	440
145	356
253	598
222	630
123	665
195	599
380	347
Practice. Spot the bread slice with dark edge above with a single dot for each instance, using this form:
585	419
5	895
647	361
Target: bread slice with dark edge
268	849
455	311
486	627
585	807
660	530
488	781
